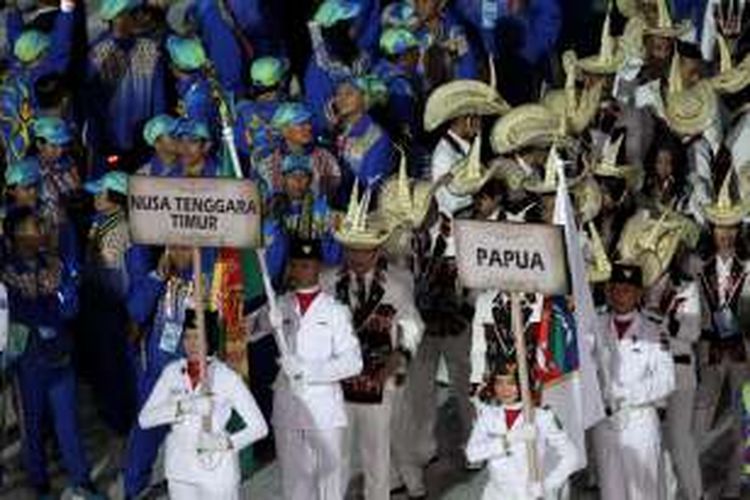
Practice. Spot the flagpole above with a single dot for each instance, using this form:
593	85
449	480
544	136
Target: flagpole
523	376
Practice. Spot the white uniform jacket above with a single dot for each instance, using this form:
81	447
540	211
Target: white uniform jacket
323	341
182	460
640	371
506	452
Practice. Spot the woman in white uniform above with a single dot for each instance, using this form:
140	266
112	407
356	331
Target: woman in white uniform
500	435
202	459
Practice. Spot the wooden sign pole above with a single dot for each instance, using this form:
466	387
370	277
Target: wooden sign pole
523	375
200	322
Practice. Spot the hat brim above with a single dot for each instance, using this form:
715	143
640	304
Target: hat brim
725	217
676	31
529	125
596	66
691	112
462	98
734	80
94	187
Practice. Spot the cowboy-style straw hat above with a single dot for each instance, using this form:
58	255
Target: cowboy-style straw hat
599	267
406	202
524	126
725	211
461	98
692	111
468	176
609	60
359	229
587	198
731	79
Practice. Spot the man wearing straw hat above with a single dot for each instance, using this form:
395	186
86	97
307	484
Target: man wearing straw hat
636	373
320	351
722	349
380	297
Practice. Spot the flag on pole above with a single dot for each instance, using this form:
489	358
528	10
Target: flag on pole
564	343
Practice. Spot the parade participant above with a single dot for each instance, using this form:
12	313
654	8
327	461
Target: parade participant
255	133
721	19
195	146
157	302
195	99
723	354
103	344
336	55
672	297
501	434
38	54
202	463
294	122
665	183
42	297
363	147
446	52
380	297
125	83
16	115
637	372
397	69
309	417
297	212
159	133
459	105
60	175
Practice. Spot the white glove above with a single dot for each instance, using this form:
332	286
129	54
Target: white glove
213	442
293	369
200	406
536	490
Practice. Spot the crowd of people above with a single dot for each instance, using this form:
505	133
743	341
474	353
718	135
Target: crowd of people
369	127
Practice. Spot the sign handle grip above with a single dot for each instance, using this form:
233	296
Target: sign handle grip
523	375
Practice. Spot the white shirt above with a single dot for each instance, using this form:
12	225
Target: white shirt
506	452
323	341
444	158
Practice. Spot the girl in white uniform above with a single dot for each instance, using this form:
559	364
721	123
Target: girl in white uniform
202	461
500	435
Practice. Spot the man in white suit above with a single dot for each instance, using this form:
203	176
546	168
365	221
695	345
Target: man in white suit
309	416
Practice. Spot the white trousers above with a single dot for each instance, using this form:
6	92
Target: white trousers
181	490
710	389
628	457
367	440
311	464
680	436
421	398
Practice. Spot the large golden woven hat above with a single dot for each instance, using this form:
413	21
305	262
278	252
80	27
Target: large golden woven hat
405	202
548	184
689	111
599	266
651	242
524	126
726	210
461	98
665	27
608	166
468	176
730	79
609	59
361	230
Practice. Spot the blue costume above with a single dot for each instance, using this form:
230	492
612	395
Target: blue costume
55	59
157	168
464	55
196	102
365	153
126	87
403	108
45	376
221	45
256	138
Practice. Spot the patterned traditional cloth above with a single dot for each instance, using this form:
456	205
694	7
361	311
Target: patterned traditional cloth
109	239
59	181
373	321
43	278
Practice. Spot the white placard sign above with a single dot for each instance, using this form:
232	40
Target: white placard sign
199	212
512	257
